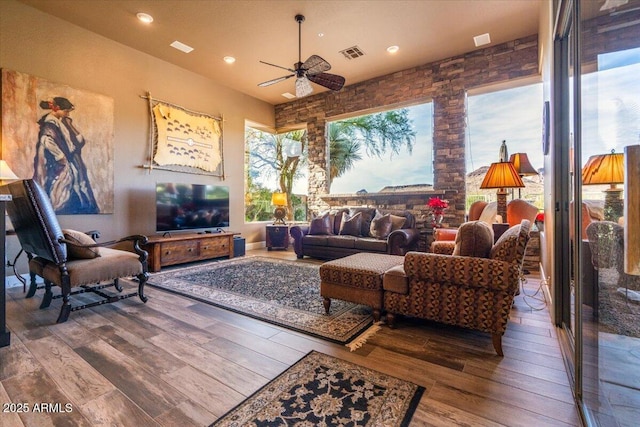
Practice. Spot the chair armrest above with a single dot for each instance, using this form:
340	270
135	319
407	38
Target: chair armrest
443	247
401	241
445	234
298	232
130	244
462	271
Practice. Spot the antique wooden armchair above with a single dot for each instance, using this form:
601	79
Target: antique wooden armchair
70	259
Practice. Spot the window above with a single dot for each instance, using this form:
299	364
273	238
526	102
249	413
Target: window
512	115
274	163
391	148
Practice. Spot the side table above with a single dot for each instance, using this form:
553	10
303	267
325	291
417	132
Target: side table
425	239
277	236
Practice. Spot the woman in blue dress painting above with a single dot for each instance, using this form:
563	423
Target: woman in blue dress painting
58	165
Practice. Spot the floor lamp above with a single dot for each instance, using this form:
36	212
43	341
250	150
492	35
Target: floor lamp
6	176
523	167
502	175
607	169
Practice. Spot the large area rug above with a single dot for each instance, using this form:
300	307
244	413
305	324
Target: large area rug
285	293
321	390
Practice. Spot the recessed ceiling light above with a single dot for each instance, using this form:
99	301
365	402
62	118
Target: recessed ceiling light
320	34
229	59
181	46
393	49
288	95
482	39
144	17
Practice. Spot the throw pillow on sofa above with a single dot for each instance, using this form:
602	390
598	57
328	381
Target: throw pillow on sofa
321	225
474	238
397	222
367	215
380	226
351	225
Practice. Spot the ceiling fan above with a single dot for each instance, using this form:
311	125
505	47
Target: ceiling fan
313	69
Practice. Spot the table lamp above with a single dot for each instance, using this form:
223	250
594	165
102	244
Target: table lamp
502	175
279	200
6	176
607	169
523	167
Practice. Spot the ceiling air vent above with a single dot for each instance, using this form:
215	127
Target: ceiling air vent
352	52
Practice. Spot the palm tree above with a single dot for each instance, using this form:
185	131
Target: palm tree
378	133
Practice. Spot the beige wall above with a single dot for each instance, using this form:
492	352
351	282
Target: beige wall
35	43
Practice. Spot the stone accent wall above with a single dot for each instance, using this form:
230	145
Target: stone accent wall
444	82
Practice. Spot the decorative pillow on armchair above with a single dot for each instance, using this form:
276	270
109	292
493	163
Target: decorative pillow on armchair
380	226
351	225
474	238
321	225
511	245
80	238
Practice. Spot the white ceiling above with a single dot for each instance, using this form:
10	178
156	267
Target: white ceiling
254	30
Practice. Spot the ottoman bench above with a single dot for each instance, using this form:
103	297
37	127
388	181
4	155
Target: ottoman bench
357	278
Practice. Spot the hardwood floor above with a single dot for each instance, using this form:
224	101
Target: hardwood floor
179	362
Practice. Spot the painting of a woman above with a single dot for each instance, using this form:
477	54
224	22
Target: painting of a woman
58	165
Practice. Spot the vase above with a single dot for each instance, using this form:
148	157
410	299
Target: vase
436	220
540	225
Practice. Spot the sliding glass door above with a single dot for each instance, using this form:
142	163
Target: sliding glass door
597	101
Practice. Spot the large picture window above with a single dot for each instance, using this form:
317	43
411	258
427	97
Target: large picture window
381	150
515	116
275	163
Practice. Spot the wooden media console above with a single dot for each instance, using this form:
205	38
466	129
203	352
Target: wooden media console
189	247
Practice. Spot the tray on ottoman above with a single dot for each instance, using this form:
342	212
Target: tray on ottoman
357	278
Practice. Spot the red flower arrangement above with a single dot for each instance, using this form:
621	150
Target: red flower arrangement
437	205
540	217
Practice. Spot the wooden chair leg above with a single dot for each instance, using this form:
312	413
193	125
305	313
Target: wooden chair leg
327	304
142	280
65	310
376	315
48	295
117	285
33	286
497	343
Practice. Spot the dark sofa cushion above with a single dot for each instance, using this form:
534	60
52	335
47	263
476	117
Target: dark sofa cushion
310	240
342	241
351	224
370	244
367	215
321	225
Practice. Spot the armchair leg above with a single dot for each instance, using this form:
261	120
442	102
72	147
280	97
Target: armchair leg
142	280
65	310
497	344
48	295
391	320
327	304
32	285
117	285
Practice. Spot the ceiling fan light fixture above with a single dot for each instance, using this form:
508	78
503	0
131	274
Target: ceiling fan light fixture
303	87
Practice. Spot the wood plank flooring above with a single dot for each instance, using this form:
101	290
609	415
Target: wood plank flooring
179	362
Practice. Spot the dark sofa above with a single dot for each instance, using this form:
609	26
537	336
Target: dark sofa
330	244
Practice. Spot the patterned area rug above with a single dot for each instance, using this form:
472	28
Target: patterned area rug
321	390
285	293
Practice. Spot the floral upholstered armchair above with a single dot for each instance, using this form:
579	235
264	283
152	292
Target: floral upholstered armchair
474	289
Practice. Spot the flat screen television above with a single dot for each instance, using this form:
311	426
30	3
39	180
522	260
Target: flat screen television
191	206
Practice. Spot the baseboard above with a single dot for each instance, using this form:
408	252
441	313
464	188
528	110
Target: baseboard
13	282
256	245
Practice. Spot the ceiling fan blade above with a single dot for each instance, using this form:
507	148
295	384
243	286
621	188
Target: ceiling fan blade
330	81
315	65
278	66
274	81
